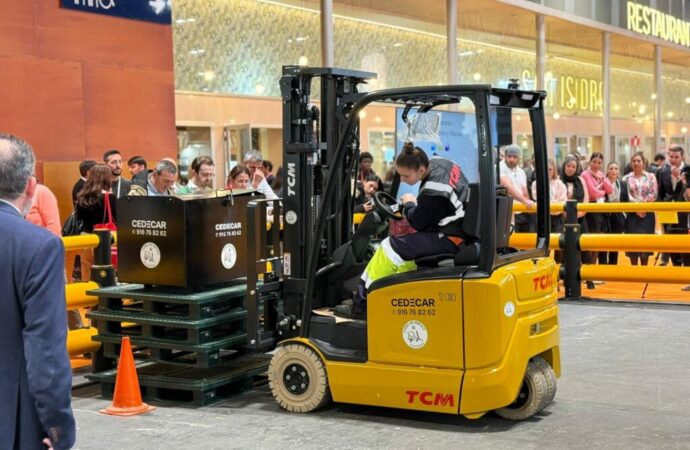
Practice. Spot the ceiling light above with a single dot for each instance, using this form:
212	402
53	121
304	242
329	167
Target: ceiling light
377	119
362	114
300	38
397	44
669	114
556	116
259	89
684	130
687	99
477	76
303	61
653	96
209	75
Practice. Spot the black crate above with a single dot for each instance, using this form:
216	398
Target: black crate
191	385
187	242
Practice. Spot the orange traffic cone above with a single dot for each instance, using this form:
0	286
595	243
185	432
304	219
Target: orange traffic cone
127	396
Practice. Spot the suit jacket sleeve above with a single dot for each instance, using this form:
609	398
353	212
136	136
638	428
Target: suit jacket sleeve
45	332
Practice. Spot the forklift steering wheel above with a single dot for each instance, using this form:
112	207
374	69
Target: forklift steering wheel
387	205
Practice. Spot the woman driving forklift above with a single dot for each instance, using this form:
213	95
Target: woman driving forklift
436	214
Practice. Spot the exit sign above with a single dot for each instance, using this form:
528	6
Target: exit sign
158	11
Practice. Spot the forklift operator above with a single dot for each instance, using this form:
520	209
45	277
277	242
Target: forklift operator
436	214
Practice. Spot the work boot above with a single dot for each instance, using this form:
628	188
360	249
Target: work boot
350	312
355	308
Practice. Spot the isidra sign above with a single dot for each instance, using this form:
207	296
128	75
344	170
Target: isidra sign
651	22
157	11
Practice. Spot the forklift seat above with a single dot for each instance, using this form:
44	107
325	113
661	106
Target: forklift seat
468	251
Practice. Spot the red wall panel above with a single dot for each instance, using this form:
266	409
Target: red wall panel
129	110
74	84
42	102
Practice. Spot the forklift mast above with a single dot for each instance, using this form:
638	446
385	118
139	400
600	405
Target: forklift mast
310	136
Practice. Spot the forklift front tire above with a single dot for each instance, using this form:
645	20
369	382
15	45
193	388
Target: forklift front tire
297	378
533	395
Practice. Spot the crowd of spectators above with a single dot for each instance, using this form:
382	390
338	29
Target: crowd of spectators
662	181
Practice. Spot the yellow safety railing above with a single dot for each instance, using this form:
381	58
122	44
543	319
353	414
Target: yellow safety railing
572	242
556	208
666	243
79	341
645	274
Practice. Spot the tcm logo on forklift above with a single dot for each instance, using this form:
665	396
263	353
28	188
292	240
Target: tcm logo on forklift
543	282
291	175
430	398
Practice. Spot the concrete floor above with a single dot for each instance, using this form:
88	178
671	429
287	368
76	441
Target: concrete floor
625	384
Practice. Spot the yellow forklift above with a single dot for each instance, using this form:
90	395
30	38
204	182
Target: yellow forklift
465	333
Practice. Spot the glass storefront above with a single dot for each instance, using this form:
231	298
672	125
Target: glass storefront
192	142
238	47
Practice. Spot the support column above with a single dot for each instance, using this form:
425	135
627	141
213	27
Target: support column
658	89
327	33
541	52
606	96
452	36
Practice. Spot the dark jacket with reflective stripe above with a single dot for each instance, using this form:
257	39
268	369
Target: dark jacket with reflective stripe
440	200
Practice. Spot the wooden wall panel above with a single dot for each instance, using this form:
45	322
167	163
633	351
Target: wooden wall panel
42	102
17	40
129	110
101	40
75	83
60	177
16	13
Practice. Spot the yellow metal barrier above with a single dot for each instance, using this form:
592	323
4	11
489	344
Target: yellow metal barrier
666	243
636	274
79	341
556	208
529	240
80	242
76	295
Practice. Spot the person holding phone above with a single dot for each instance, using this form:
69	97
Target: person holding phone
363	200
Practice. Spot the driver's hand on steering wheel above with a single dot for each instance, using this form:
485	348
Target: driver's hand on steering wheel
406	198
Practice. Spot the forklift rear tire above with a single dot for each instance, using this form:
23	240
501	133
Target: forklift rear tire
532	397
550	375
297	378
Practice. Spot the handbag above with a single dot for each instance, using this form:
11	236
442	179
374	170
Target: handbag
107	214
72	226
109	225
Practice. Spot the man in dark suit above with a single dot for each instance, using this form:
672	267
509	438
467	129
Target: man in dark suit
84	168
35	372
672	189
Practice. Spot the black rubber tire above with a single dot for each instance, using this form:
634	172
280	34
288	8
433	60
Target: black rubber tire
531	397
550	376
316	393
